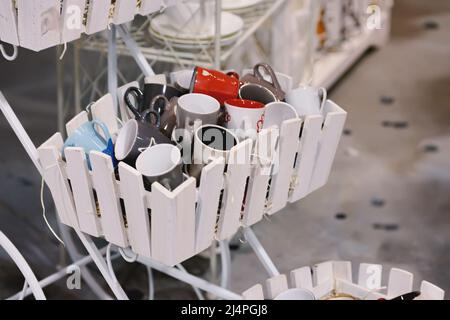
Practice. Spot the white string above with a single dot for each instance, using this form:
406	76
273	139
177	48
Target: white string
45	217
64	51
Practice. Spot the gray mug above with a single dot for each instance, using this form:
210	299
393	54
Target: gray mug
197	107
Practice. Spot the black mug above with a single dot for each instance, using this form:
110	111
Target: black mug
151	90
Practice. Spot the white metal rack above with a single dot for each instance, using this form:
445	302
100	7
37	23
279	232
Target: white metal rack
311	144
210	55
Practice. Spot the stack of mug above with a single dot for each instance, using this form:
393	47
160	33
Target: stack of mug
178	129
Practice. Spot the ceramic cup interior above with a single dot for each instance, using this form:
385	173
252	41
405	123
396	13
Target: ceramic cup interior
256	92
216	137
198	103
158	160
296	294
125	140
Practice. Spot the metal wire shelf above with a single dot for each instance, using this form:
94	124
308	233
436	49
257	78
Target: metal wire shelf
207	54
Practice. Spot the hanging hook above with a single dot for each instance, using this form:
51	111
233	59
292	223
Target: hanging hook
9	57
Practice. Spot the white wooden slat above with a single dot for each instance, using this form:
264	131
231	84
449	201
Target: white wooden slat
254	293
354	290
38	23
72	20
124	11
208	203
125	113
76	122
80	181
97	17
370	275
331	134
103	109
8	23
429	291
275	286
400	282
138	217
55	177
307	151
323	272
324	289
235	182
301	278
150	6
284	169
342	270
260	176
173	223
103	177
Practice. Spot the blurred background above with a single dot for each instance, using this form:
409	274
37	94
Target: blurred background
387	200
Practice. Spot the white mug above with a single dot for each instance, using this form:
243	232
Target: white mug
197	106
161	163
244	116
296	294
211	142
278	112
307	100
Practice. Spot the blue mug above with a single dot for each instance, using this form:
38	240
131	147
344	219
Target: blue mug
87	137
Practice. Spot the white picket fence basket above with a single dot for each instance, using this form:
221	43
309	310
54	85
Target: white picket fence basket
171	227
333	280
41	24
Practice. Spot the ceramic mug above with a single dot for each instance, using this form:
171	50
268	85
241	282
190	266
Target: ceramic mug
257	77
210	142
134	138
161	163
278	112
257	92
142	100
197	107
183	140
307	100
215	84
296	294
244	115
87	137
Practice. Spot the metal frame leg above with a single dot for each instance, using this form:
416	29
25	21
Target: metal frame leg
190	279
226	264
135	51
23	266
260	252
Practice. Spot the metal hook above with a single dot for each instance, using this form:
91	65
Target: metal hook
9	57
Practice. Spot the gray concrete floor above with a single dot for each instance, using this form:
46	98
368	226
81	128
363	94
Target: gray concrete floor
374	162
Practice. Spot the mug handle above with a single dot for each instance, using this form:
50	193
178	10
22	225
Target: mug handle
233	75
269	71
103	127
161	110
139	96
155	115
324	95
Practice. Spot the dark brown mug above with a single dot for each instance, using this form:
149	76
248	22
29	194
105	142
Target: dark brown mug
256	80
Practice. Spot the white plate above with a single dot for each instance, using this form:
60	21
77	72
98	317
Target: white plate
192	44
238	4
231	24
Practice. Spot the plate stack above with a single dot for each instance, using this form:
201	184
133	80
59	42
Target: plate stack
187	26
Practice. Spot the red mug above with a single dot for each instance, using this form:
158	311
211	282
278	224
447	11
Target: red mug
215	84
